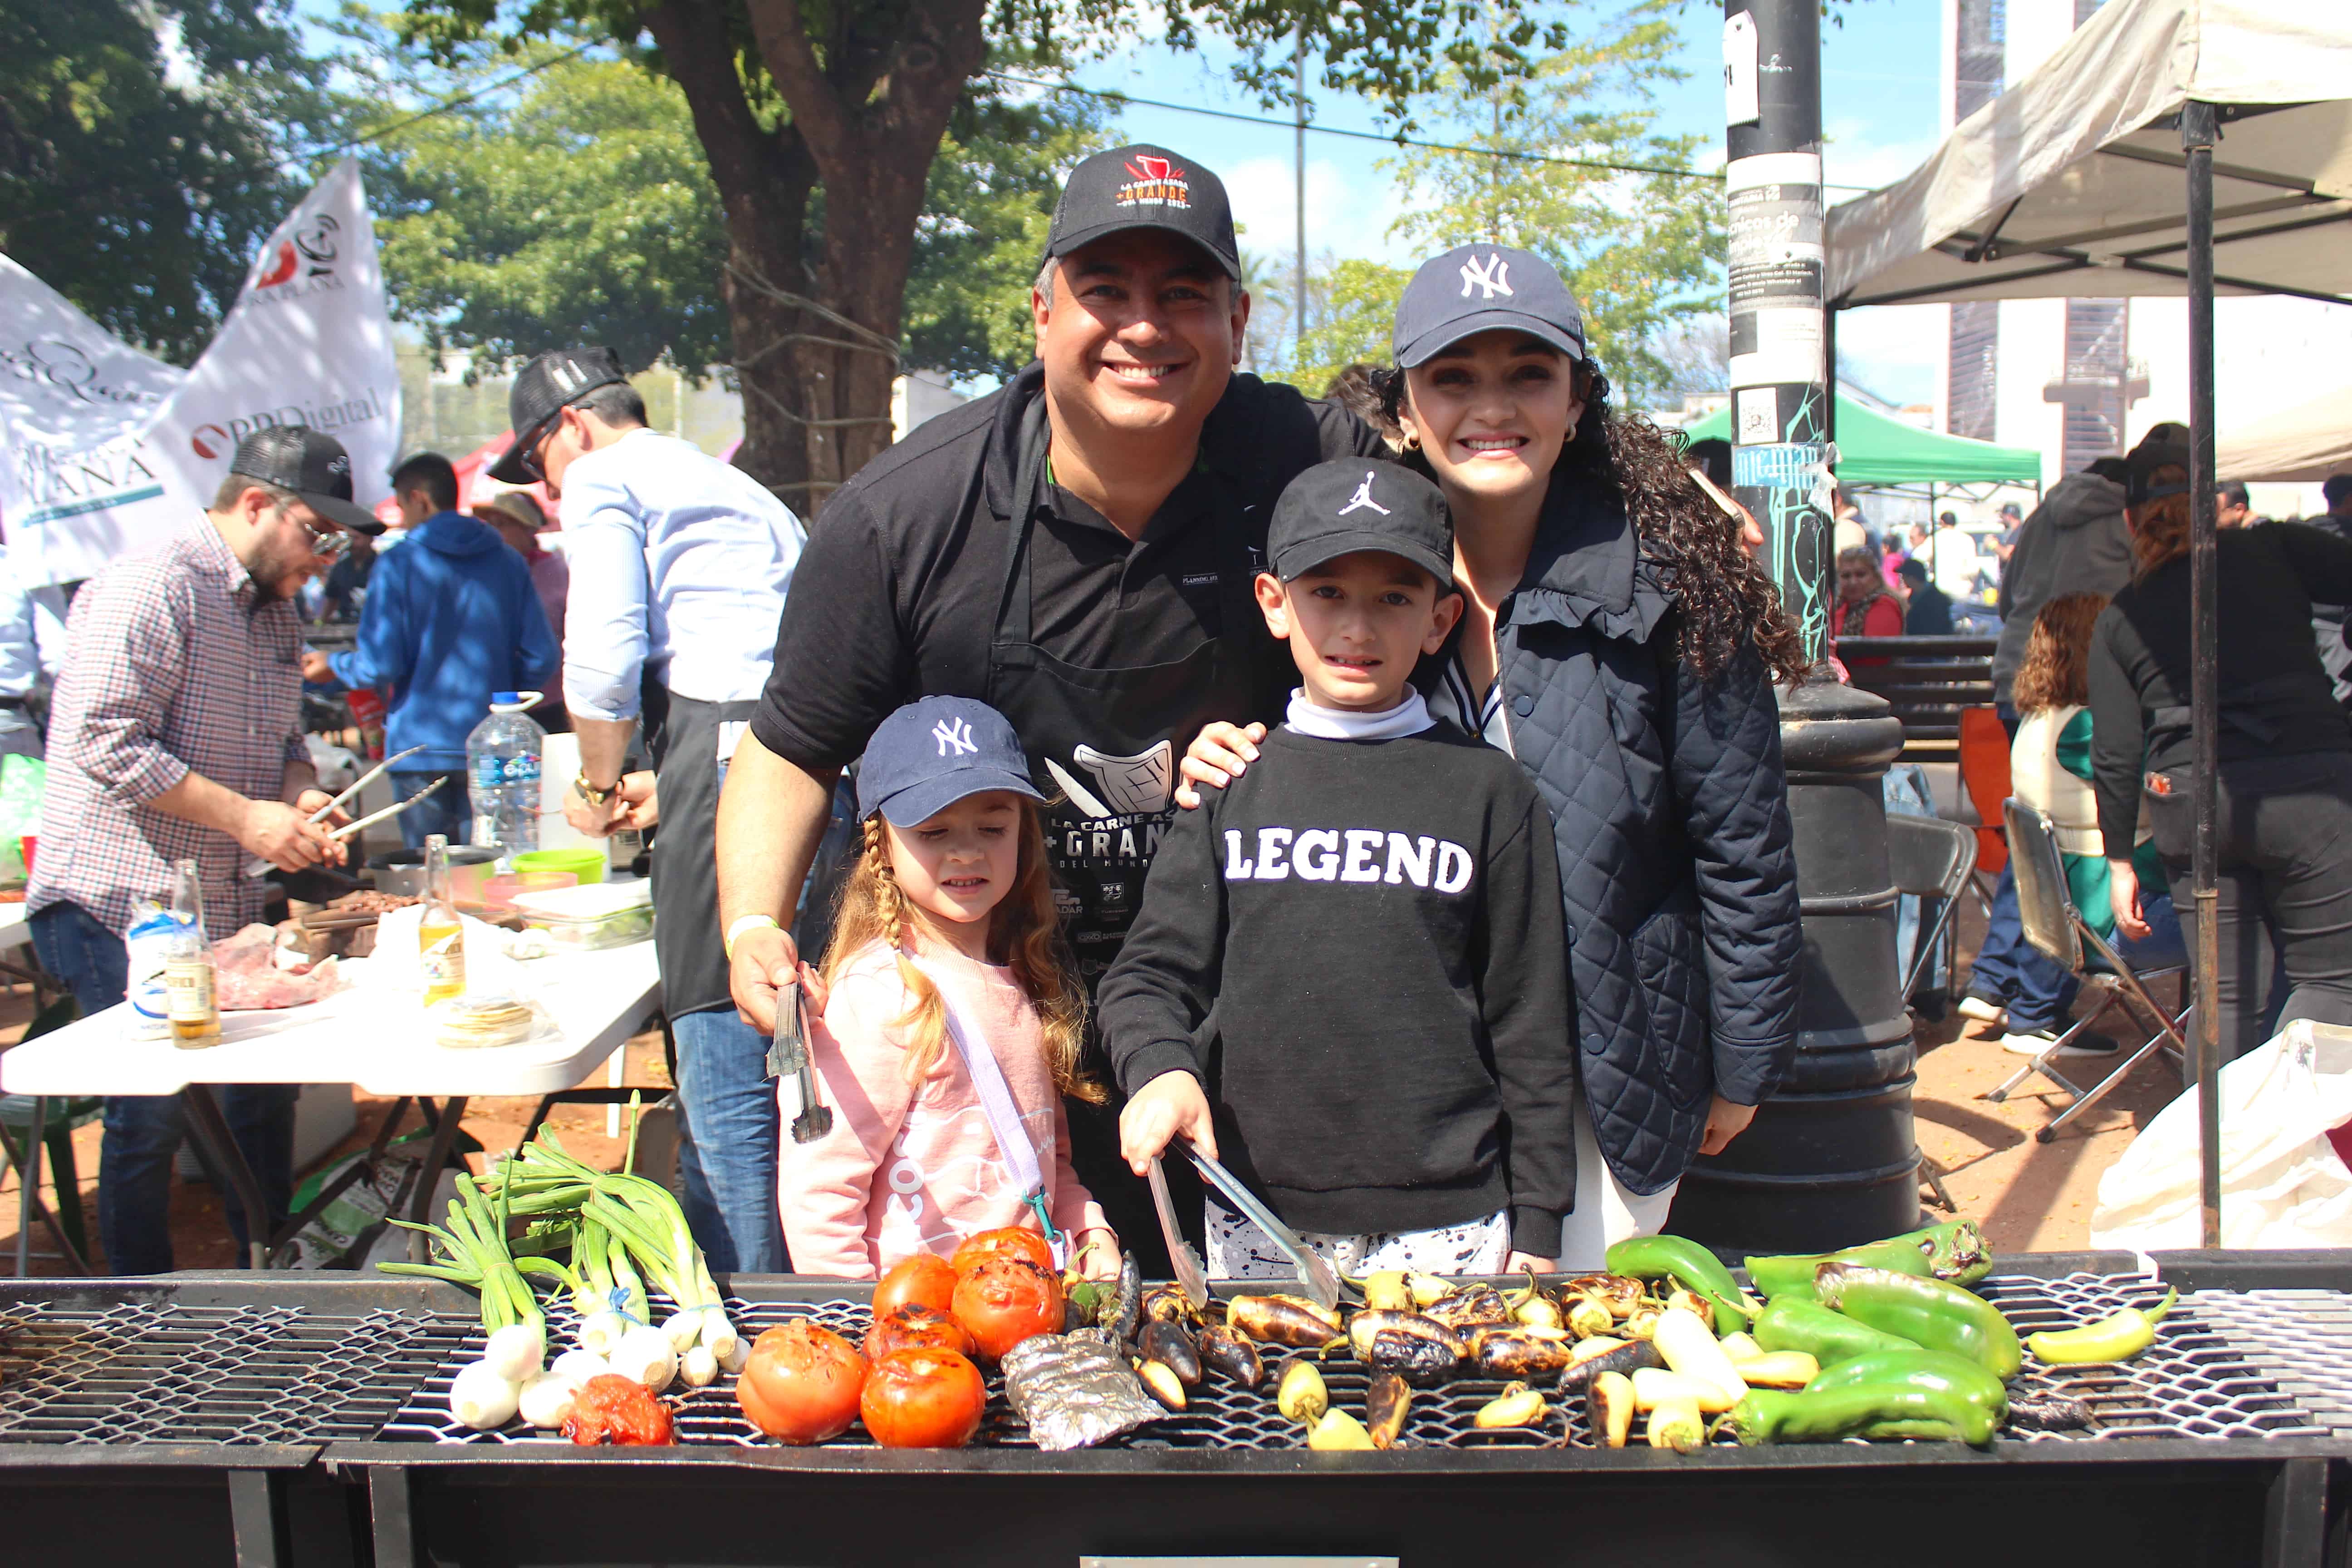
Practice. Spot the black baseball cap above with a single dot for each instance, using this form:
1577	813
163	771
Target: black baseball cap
548	383
1145	187
1357	503
1477	288
933	753
312	465
2141	463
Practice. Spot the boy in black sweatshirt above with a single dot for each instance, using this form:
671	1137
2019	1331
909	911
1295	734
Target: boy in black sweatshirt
1355	949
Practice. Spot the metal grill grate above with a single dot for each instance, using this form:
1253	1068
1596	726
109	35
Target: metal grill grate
138	1373
2303	1339
2194	1383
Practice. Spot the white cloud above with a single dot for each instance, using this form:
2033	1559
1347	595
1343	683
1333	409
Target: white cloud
1349	208
1851	156
1894	350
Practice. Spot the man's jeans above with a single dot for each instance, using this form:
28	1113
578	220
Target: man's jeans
727	1125
448	811
144	1132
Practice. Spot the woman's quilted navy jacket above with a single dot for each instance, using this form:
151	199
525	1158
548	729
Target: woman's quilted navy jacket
1671	814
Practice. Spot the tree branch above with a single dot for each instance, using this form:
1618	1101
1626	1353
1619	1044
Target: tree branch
781	33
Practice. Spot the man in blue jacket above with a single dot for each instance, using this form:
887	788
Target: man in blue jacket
451	617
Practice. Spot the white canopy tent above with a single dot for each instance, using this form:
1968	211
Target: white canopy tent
2303	445
2070	182
2169	147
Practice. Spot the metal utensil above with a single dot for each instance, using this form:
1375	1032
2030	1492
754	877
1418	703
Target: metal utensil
1189	1272
788	1053
1317	1277
259	865
348	828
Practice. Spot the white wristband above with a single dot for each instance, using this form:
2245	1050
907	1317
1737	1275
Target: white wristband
747	922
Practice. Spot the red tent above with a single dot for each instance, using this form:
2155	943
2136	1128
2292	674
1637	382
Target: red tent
469	472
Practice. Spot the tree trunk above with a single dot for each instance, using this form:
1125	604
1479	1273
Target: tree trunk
765	179
870	111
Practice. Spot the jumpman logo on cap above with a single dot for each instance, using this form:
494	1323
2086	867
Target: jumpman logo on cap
954	736
1363	498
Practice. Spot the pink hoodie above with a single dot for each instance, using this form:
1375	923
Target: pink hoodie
906	1168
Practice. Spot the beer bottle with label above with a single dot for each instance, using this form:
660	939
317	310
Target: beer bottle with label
441	936
188	964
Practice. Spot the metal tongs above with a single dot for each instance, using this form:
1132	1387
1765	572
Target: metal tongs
788	1053
1187	1263
1316	1278
259	866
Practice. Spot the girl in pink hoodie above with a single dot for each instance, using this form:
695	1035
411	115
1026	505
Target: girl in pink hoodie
951	1025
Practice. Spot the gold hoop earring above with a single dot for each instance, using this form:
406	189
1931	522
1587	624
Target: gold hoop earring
1412	442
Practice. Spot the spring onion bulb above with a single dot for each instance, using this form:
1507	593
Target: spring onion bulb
719	1335
482	1399
546	1400
736	1359
579	1366
602	1333
645	1356
683	1329
698	1368
518	1351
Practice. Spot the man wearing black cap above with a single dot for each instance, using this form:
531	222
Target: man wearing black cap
678	568
176	734
1076	550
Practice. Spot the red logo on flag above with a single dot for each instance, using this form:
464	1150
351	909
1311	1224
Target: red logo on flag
1157	181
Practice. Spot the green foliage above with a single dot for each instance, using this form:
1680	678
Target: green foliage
1644	253
1352	308
141	154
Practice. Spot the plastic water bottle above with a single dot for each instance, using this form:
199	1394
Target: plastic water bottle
502	773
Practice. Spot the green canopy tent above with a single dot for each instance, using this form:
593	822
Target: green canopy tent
1874	450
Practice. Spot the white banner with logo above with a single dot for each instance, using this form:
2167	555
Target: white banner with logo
308	341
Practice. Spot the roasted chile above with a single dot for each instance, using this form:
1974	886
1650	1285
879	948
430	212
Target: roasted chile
1474	1308
1171	1347
1386	1399
1229	1356
1365	1324
1420	1362
1291	1320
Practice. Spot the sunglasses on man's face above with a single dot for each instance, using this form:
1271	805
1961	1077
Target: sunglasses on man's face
328	542
531	462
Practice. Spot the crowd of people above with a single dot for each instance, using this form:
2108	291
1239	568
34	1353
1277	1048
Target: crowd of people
1381	793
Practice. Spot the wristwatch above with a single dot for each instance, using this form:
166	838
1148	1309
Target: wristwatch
591	794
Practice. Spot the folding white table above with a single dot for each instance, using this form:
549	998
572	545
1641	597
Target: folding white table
371	1036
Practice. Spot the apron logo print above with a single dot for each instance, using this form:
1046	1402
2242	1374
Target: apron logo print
1362	499
954	736
1129	786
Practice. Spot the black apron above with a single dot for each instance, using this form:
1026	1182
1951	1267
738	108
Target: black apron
1107	741
683	743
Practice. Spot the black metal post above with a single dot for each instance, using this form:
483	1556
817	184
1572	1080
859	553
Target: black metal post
2197	131
1830	1160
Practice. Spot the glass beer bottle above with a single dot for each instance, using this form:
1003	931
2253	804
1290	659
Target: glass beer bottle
188	978
441	936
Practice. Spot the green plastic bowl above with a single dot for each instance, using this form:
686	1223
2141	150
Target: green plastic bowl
585	861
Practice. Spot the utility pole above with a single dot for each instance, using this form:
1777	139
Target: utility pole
1298	299
1830	1159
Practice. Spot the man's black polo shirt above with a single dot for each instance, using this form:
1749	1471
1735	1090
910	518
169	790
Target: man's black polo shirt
896	594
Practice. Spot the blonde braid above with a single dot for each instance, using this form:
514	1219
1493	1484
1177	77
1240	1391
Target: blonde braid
926	1018
889	903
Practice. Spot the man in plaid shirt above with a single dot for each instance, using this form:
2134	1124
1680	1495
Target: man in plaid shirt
176	734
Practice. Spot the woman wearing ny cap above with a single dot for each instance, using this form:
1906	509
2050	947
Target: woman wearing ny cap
1620	644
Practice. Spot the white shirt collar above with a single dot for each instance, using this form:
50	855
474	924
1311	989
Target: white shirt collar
1409	717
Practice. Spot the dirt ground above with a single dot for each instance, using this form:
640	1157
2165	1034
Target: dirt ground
2030	1197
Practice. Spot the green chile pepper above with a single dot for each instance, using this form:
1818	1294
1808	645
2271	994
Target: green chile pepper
1865	1410
1801	1323
1935	1370
1793	1274
1955	1250
1937	1316
1689	1264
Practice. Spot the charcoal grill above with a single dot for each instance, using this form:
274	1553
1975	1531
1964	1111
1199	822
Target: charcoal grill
271	1419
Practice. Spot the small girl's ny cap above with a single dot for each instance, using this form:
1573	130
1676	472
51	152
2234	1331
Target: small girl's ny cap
1479	289
930	754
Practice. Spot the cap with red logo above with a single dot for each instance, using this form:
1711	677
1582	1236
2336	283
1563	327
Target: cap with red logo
311	464
1145	187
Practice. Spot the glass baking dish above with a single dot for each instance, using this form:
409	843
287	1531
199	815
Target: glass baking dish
595	915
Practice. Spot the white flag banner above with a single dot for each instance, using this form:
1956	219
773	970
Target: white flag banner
75	404
308	341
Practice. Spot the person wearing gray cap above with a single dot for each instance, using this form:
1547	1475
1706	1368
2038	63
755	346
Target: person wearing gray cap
1076	550
176	734
678	564
1621	643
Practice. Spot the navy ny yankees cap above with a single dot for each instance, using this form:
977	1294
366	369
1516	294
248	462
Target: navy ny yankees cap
1145	187
1482	288
931	753
1359	503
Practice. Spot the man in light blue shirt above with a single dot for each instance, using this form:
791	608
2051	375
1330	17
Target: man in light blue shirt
680	565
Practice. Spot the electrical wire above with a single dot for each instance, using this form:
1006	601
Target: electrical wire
463	98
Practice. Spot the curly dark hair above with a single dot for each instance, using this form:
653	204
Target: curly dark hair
1722	597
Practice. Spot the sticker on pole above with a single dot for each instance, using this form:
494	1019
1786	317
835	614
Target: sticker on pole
1740	106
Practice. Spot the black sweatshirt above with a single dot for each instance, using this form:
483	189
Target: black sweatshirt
1357	947
2275	698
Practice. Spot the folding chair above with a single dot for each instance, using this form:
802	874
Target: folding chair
1932	858
1984	773
2045	908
